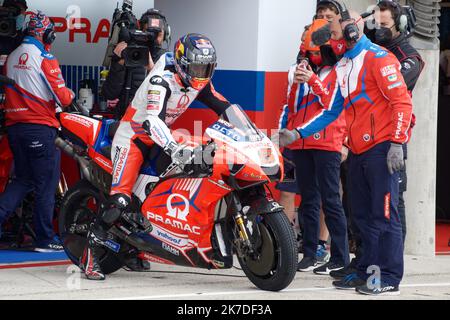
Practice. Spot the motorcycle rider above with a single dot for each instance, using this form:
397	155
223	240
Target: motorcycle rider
176	80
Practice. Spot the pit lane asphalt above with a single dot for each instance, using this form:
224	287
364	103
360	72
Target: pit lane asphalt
425	278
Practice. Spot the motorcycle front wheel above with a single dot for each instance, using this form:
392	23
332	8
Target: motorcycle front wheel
276	263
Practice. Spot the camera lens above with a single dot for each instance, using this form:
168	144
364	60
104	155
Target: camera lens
136	55
4	26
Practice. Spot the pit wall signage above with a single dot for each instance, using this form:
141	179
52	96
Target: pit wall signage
83	27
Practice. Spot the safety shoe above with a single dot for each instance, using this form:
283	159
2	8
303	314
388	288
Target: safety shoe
383	290
53	245
307	264
90	266
328	267
342	273
350	282
322	255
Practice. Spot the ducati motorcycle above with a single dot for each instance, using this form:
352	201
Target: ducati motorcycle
199	216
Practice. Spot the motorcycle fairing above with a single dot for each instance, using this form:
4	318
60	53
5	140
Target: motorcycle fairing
182	214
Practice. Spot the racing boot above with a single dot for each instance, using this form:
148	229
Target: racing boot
98	237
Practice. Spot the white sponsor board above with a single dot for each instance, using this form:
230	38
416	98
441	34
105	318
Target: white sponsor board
84	27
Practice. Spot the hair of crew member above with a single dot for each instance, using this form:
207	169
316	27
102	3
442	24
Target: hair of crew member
327	10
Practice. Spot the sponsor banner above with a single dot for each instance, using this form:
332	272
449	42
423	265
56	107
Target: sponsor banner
83	26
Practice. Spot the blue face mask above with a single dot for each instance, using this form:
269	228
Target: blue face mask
20	20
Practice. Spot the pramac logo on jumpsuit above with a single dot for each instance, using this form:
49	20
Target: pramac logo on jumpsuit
23	59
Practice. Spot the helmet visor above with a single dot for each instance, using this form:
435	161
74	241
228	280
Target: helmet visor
201	70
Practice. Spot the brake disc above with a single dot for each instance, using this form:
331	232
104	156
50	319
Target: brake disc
266	261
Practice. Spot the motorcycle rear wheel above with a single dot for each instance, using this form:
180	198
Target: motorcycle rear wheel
78	209
277	264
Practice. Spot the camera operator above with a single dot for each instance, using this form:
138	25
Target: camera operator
154	22
12	18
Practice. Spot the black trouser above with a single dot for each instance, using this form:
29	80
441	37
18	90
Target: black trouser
403	181
318	181
374	202
37	168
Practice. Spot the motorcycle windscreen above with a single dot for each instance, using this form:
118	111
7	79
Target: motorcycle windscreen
238	131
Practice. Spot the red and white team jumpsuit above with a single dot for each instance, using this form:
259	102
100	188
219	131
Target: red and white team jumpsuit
161	99
39	85
303	102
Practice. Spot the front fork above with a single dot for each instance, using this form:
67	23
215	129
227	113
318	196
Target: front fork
242	240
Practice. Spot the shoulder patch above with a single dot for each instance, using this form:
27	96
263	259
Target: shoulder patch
157	80
47	55
169	59
379	51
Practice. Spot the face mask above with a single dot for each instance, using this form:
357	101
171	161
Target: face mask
383	36
20	20
339	46
316	60
302	49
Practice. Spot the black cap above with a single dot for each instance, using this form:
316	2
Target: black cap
335	3
16	3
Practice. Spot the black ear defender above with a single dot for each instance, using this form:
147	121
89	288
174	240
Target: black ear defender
351	31
49	36
167	29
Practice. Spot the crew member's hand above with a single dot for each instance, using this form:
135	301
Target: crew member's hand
395	161
285	137
344	153
302	75
151	64
119	49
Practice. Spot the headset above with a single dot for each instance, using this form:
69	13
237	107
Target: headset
49	35
351	31
400	19
167	29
